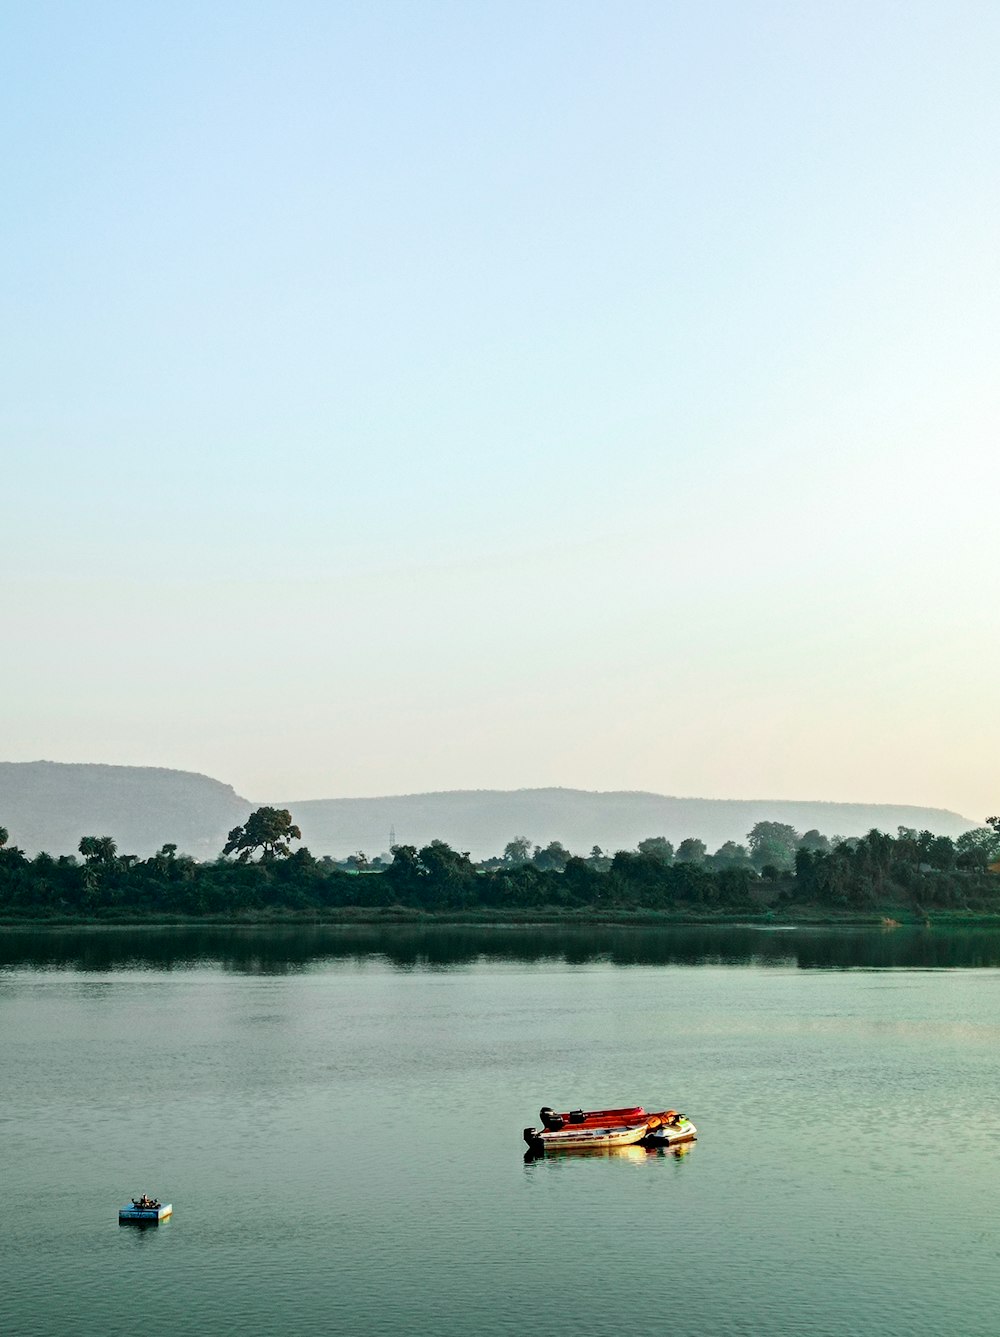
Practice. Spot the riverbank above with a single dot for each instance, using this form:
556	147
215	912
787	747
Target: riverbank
887	918
864	882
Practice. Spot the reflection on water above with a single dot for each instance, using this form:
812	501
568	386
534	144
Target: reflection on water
285	949
336	1115
636	1154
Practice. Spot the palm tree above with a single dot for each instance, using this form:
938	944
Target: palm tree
98	849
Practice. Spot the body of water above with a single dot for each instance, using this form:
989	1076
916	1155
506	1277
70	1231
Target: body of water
336	1116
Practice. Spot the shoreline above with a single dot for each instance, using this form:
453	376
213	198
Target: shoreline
888	919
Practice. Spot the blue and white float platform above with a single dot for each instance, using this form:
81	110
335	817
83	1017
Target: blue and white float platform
157	1212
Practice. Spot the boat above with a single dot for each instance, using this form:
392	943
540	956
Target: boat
602	1130
627	1114
145	1209
671	1132
595	1138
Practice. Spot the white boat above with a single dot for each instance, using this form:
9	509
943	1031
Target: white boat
671	1134
586	1139
145	1209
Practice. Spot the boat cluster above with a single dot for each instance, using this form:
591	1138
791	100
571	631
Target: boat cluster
602	1130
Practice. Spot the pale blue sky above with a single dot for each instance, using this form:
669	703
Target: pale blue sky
435	395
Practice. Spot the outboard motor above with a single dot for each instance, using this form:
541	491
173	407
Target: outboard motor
552	1121
536	1147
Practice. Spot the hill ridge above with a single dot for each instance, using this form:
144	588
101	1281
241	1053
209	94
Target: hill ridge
50	805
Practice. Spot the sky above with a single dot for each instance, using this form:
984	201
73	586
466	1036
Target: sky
419	396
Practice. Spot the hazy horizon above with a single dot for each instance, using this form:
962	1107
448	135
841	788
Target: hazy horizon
285	800
417	399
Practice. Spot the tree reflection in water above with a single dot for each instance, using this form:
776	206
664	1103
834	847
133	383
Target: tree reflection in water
284	949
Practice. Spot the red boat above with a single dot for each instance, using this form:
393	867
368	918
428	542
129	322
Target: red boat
552	1120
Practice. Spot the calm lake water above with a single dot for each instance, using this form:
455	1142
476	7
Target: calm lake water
336	1116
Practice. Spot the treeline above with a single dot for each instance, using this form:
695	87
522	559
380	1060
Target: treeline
258	873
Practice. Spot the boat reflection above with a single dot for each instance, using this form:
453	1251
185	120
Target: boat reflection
636	1153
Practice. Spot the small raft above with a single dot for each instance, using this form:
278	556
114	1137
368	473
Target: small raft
145	1209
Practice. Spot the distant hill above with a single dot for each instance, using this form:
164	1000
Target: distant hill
483	820
49	805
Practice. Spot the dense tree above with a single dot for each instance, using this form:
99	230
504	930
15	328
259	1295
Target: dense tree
517	851
815	841
941	853
691	850
553	857
582	879
657	847
773	843
268	830
444	865
404	875
977	848
436	875
907	847
735	886
873	861
598	860
731	855
873	874
690	881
